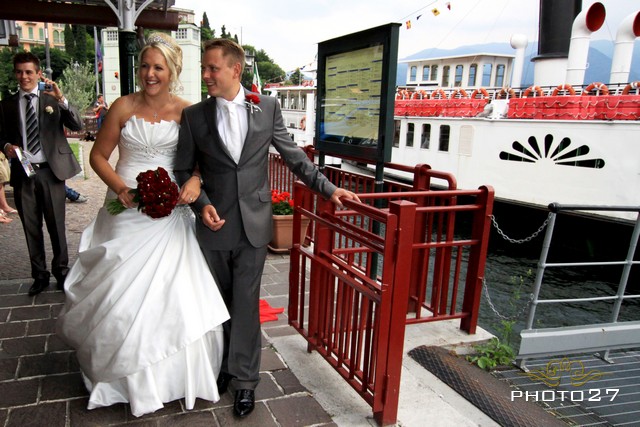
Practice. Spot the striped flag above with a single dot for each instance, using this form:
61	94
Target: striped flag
256	86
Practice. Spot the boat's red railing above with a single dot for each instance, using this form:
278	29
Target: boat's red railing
595	101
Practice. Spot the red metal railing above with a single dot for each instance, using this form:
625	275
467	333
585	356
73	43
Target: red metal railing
350	290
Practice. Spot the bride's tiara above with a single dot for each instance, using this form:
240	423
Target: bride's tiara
157	39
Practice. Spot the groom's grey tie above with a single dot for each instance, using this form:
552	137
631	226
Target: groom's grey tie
234	143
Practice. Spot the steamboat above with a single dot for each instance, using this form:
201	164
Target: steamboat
560	139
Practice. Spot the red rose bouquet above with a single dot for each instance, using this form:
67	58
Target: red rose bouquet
281	202
155	194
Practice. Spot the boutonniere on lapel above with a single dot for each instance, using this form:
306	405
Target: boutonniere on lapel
252	100
48	109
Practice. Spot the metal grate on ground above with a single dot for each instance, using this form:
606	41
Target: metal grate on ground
590	391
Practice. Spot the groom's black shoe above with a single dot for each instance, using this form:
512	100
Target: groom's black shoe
223	382
244	403
38	286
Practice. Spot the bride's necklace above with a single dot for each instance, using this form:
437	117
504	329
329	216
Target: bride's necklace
155	113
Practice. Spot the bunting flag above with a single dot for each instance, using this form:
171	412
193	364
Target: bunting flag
408	25
448	4
418	17
98	55
256	86
435	12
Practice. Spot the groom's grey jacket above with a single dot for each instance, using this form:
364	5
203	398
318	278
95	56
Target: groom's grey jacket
240	192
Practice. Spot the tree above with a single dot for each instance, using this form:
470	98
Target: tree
223	33
59	60
69	41
206	33
80	38
296	77
8	83
78	85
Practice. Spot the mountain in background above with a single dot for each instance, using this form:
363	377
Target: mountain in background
598	67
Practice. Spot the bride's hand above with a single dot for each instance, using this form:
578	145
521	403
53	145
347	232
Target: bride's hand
190	191
126	198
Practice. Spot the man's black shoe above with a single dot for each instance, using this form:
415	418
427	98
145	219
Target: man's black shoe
223	382
60	282
244	403
38	286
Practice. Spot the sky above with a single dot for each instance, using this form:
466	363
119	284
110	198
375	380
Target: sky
289	31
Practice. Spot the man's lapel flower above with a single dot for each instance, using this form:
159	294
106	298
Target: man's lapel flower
48	109
252	100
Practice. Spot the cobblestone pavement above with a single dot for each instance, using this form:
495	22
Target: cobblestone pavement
40	383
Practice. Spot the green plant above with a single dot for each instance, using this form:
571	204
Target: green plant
499	351
492	354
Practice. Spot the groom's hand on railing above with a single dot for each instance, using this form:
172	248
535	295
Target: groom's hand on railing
341	192
210	218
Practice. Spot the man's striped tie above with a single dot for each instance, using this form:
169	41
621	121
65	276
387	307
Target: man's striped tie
31	126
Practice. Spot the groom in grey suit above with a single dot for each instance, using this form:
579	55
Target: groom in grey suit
228	137
40	136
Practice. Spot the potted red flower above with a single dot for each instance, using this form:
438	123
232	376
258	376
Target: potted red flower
282	208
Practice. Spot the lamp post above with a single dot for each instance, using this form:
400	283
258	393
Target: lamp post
48	71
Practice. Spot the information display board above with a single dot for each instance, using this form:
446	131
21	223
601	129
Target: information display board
356	89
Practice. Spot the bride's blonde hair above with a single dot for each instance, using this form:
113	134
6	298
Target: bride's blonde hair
172	53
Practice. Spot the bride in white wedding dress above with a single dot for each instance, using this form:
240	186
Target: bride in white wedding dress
142	309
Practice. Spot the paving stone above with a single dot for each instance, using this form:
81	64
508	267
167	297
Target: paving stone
4	314
288	382
30	313
260	417
99	417
44	364
56	387
15	301
298	411
3	416
50	415
267	388
21	392
41	327
53	297
280	331
9	289
270	361
280	288
24	345
190	419
8	367
13	329
54	343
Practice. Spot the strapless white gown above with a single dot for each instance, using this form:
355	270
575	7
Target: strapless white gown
142	308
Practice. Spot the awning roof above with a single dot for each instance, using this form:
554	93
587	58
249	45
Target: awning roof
88	12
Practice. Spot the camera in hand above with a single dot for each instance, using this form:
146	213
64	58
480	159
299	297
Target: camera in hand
44	86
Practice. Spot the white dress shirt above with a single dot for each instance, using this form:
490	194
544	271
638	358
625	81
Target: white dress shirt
222	118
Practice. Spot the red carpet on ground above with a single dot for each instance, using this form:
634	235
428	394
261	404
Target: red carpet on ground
268	313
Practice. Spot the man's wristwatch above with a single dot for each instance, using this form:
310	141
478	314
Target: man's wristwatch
200	178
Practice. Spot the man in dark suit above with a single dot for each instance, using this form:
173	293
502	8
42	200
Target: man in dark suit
228	137
32	121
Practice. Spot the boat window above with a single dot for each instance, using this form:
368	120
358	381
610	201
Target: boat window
500	75
425	73
425	136
445	76
434	72
414	72
445	130
409	141
473	70
396	133
486	74
457	82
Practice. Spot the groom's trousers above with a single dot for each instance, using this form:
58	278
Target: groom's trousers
238	273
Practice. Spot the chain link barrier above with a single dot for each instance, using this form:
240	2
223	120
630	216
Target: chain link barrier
526	239
485	288
524	308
